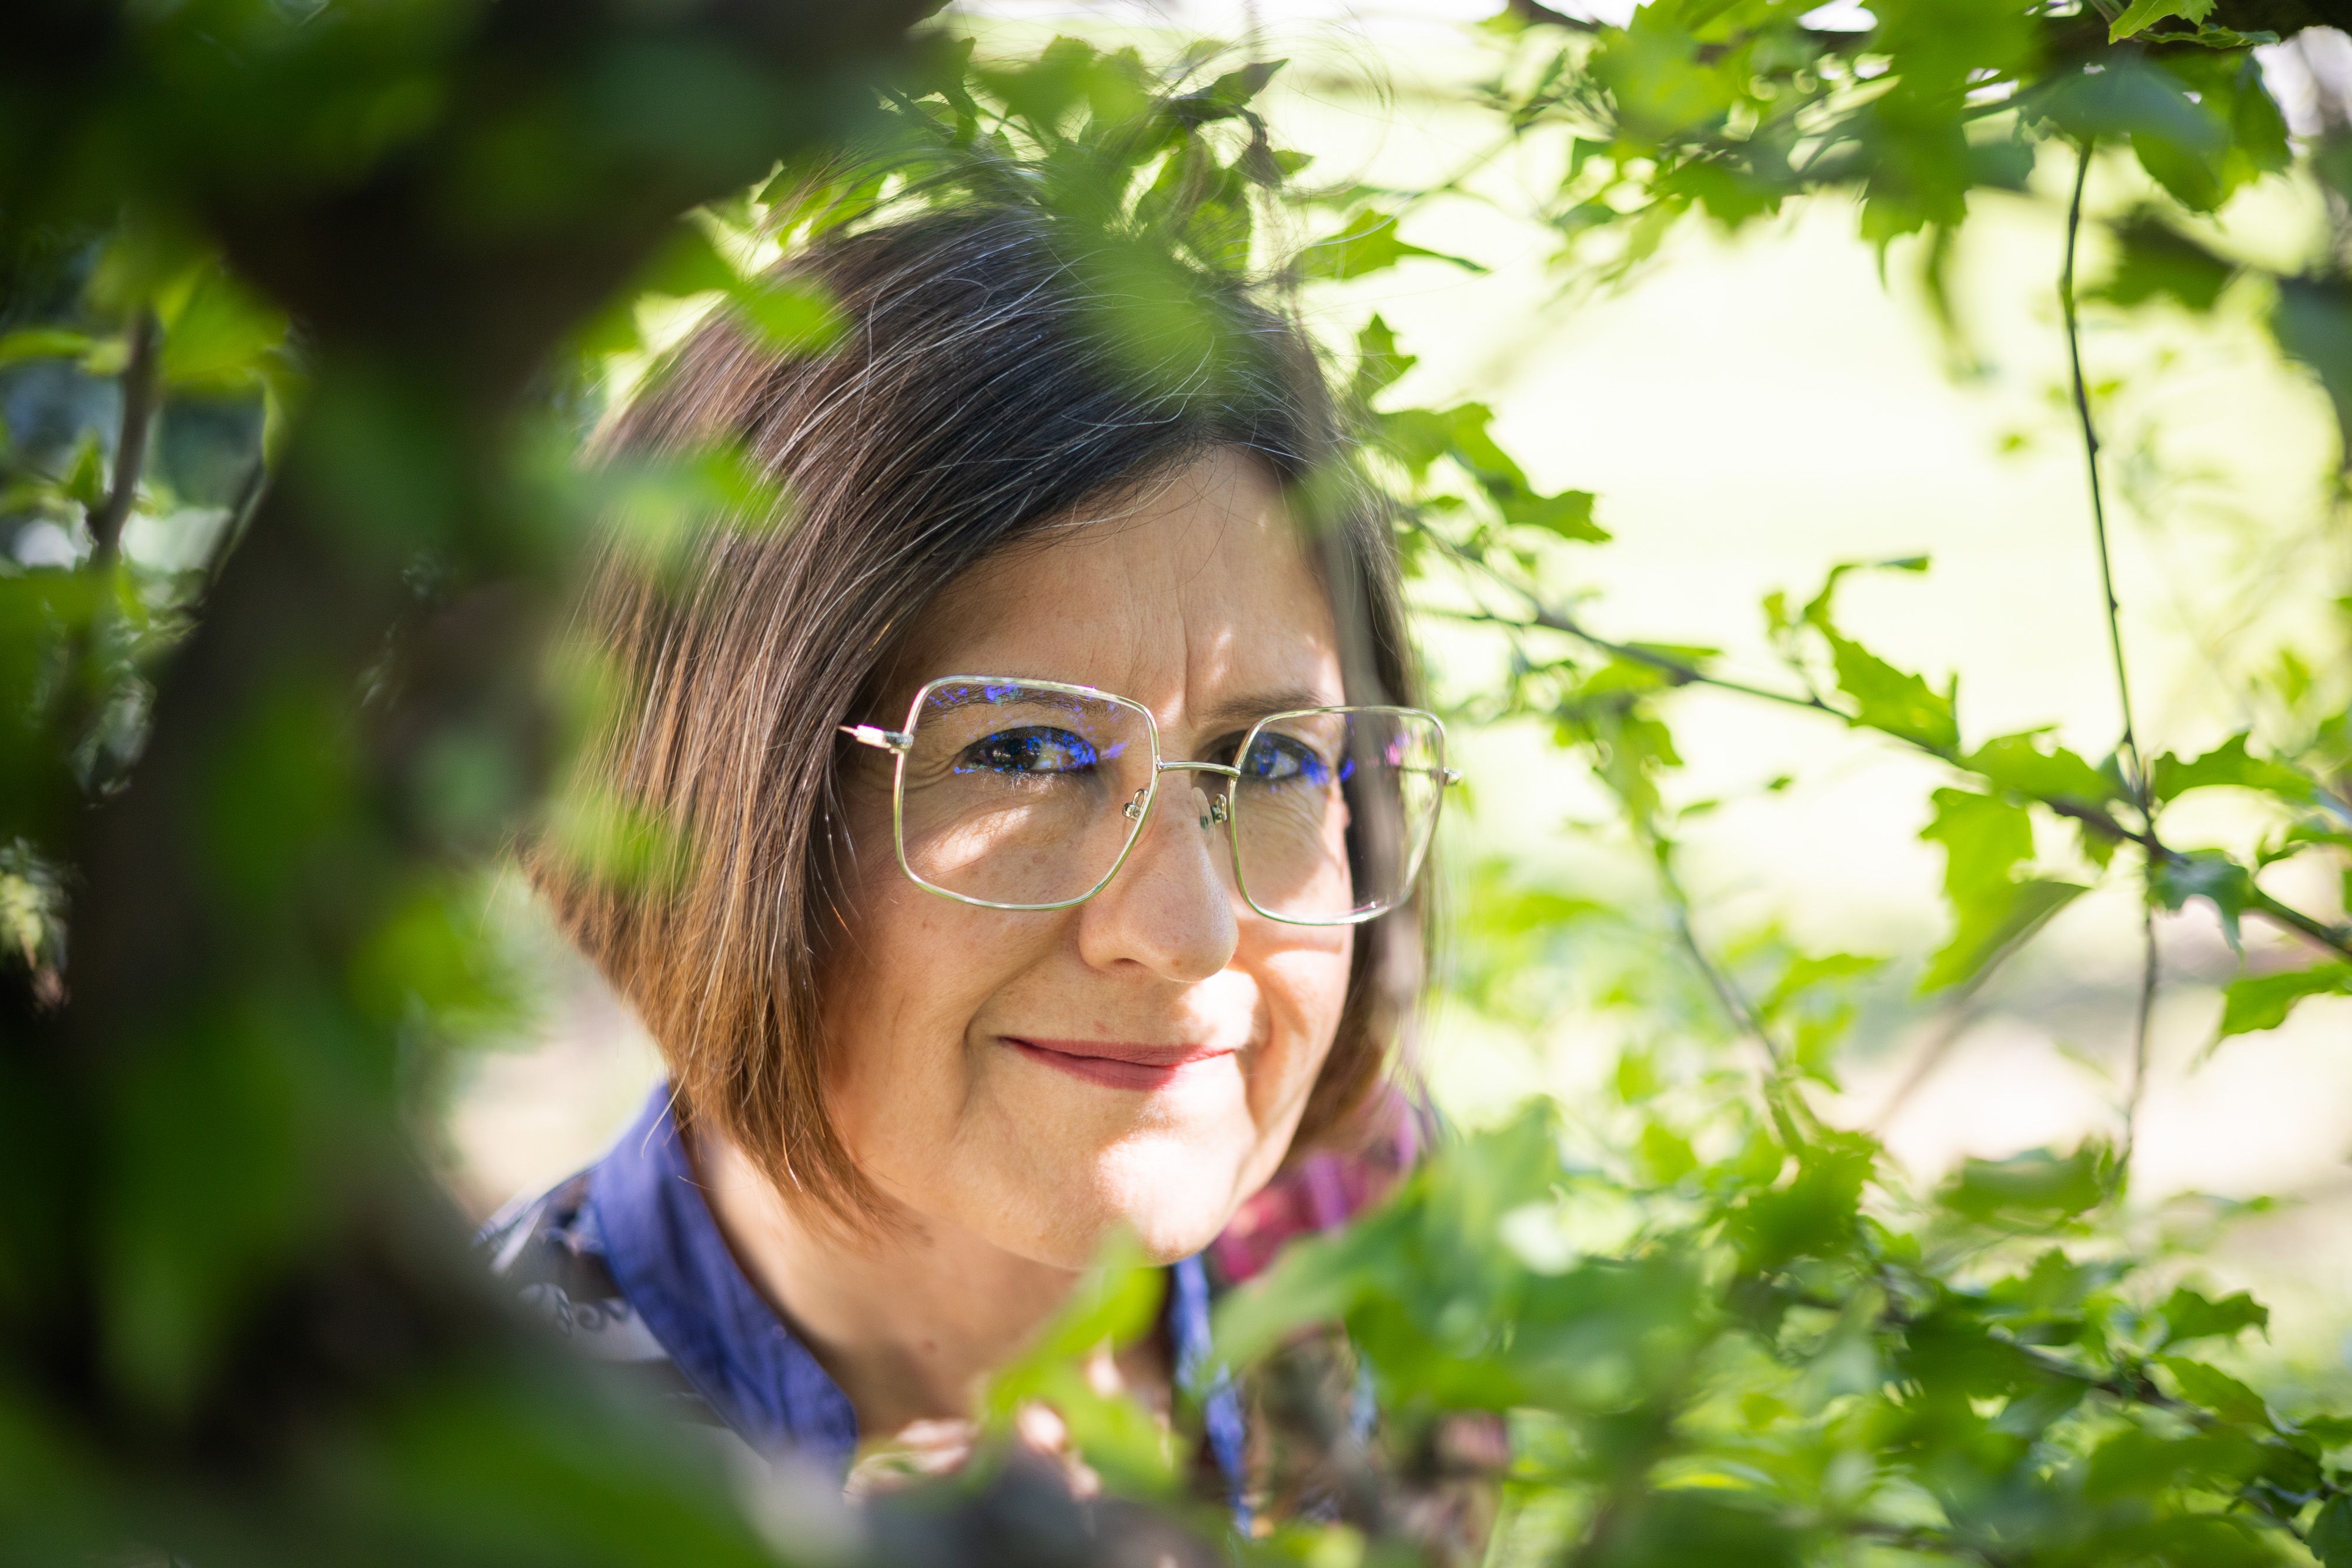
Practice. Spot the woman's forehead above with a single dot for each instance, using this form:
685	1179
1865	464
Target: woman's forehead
1196	599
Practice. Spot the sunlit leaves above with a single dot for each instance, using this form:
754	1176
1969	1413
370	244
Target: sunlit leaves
1657	84
2037	1188
1369	242
2230	766
1116	1305
2141	15
2027	764
2190	1314
2251	1003
794	316
1885	698
2312	320
1461	437
2154	260
1899	703
1379	361
2331	1534
1984	838
2207	874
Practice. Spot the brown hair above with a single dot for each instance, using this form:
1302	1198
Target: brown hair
984	388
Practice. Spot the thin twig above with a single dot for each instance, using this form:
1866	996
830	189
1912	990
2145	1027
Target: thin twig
1736	1003
2137	777
2147	979
240	517
141	388
2138	780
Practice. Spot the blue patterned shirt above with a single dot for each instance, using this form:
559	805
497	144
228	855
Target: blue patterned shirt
627	1262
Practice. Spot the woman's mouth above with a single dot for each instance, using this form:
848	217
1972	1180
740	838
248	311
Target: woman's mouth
1119	1064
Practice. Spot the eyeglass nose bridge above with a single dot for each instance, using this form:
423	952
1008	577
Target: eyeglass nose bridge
1218	810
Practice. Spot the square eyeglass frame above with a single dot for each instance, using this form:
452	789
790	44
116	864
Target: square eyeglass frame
899	743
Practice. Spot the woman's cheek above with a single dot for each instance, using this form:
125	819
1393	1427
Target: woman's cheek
1305	987
898	1003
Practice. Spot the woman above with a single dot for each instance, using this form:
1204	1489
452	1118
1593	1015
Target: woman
1037	809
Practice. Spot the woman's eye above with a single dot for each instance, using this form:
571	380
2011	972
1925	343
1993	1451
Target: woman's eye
1036	750
1278	759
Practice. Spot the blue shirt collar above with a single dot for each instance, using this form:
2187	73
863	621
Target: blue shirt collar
667	1257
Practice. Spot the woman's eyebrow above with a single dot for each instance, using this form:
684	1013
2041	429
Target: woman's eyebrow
1240	712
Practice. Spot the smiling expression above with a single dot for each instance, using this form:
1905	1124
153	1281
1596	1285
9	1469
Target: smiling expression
1038	1077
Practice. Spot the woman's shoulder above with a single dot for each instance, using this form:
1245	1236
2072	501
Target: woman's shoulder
549	1250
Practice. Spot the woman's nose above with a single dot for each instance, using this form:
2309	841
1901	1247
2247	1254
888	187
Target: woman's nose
1170	908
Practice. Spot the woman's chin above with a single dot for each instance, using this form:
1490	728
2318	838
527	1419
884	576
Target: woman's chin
1170	1194
1170	1197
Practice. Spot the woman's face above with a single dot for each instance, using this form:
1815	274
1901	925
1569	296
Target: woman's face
1198	603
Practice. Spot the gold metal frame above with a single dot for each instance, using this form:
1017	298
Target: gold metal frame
1222	809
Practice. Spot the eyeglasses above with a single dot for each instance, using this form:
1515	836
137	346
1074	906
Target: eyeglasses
1019	794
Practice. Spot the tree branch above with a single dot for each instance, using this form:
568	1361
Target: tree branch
142	395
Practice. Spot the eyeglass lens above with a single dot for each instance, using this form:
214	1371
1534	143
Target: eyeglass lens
1332	811
1021	794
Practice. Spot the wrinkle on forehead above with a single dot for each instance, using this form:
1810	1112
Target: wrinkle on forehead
1197	593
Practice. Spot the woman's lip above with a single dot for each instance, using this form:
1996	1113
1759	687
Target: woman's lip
1119	1064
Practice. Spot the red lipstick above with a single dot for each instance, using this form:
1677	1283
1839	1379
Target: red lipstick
1117	1063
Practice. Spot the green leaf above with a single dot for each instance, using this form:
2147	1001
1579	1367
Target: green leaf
1661	86
690	263
2251	1003
1567	514
1984	838
1887	699
2209	874
2156	261
1813	1215
2189	1314
794	315
1235	89
1043	92
2039	1185
1368	244
44	343
2228	765
2311	322
2018	762
1993	924
2217	1391
1663	1156
2141	15
215	336
2330	1538
1379	361
1893	701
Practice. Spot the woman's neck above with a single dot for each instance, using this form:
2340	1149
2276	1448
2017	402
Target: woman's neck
908	1324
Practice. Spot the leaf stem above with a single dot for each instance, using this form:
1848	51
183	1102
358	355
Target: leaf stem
2138	780
2136	776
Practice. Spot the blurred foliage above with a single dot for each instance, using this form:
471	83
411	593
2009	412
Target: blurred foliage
302	309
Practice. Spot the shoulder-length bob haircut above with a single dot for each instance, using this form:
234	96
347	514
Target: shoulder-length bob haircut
995	379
